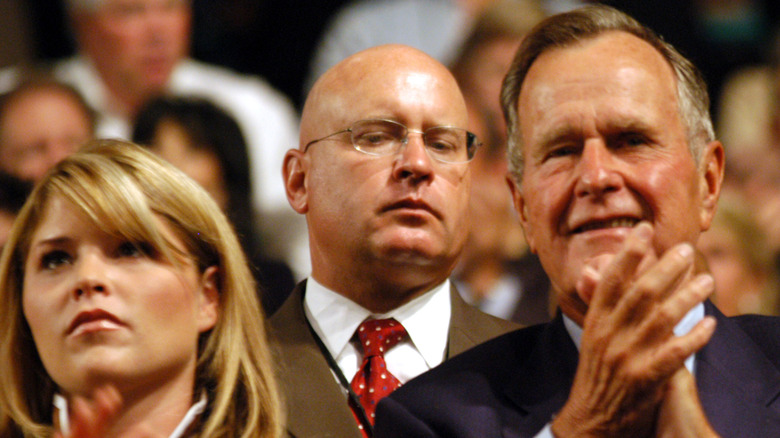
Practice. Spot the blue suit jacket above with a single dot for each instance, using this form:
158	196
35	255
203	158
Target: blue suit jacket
513	385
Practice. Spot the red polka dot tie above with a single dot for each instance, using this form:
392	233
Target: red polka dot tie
373	382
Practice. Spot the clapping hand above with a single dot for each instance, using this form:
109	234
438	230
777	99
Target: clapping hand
629	352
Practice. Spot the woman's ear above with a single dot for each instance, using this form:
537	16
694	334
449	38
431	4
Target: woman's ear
208	307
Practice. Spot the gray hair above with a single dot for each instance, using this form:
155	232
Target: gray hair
568	29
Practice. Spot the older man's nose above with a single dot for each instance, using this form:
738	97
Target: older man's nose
597	174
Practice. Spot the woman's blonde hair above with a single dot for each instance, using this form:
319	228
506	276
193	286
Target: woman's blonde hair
122	188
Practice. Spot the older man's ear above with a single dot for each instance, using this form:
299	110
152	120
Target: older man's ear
713	162
522	213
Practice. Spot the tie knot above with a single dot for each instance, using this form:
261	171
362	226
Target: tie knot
379	335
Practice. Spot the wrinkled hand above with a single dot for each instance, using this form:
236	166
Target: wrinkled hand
681	414
629	350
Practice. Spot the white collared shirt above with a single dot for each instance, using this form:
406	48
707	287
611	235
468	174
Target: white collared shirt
426	319
61	403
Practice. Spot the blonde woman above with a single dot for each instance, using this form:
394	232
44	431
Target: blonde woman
128	308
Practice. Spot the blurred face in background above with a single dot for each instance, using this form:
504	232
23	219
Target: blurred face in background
737	285
173	144
38	129
495	231
485	73
740	258
135	44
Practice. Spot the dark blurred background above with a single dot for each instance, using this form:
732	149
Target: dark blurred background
276	39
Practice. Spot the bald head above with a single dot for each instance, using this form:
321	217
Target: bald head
365	85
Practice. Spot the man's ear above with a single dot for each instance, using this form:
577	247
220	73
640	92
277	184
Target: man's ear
208	308
520	206
712	167
295	180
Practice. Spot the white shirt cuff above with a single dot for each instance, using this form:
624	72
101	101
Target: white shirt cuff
546	432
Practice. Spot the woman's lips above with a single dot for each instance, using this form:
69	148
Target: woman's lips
93	321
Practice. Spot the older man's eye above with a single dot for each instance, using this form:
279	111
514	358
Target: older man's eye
631	140
561	151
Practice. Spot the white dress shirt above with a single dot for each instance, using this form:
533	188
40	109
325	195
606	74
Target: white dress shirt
426	319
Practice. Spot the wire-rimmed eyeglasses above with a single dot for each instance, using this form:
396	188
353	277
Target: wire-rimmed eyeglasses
385	137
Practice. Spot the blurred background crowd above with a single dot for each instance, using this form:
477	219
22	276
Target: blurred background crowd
216	86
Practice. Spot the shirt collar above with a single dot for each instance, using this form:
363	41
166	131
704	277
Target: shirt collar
335	318
61	403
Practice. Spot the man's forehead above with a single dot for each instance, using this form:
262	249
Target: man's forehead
635	76
362	88
620	51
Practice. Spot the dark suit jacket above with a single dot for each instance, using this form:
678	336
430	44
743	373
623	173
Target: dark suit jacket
512	386
316	404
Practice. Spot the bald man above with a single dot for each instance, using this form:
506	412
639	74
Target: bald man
382	175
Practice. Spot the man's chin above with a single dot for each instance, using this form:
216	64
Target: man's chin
413	245
409	255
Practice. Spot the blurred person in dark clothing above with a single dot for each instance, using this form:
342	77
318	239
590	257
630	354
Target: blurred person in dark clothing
207	144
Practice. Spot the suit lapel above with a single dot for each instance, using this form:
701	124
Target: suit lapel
541	384
470	327
738	386
316	404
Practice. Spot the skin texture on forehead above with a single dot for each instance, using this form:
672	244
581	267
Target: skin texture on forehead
367	76
623	79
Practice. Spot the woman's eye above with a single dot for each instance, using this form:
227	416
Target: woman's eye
130	249
54	259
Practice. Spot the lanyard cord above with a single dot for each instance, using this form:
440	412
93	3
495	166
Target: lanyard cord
352	397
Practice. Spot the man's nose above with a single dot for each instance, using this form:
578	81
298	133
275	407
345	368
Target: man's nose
597	173
412	160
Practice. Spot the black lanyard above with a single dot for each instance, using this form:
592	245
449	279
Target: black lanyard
353	399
